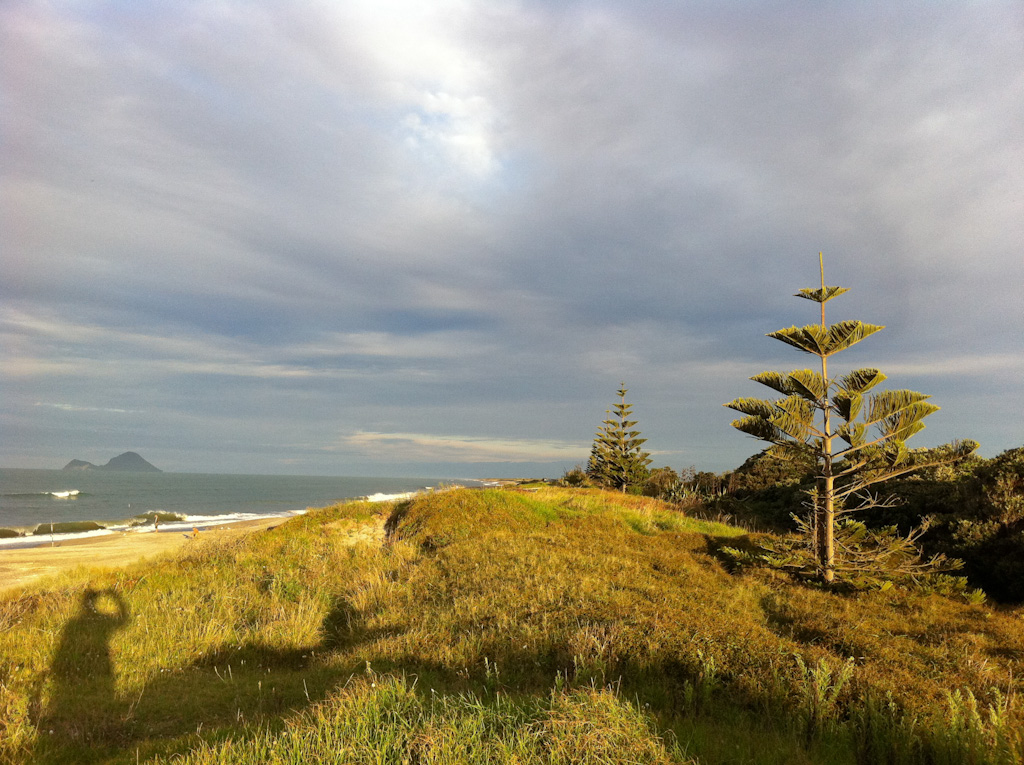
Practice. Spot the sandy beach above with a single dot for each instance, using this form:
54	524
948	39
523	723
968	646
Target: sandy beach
20	567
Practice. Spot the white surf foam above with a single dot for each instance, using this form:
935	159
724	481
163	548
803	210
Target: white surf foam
38	540
190	522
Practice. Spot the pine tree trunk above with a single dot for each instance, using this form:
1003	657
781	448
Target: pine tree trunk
826	525
827	500
826	543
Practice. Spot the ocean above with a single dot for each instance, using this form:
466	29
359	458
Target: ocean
31	498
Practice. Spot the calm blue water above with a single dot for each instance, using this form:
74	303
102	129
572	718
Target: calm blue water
31	497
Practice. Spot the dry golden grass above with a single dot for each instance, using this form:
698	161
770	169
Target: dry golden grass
545	626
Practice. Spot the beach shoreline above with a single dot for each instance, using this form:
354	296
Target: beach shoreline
24	566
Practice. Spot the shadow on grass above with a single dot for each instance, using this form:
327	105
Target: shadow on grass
83	695
244	690
237	691
227	689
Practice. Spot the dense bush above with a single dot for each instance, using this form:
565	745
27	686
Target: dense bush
975	509
765	492
770	469
661	482
576	476
1001	485
986	530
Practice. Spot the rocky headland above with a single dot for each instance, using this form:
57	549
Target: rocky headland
127	462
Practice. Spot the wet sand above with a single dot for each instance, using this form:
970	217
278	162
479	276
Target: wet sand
20	567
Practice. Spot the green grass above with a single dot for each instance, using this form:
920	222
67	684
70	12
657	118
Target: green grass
541	626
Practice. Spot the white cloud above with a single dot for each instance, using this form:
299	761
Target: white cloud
422	447
1008	364
77	408
435	345
91	350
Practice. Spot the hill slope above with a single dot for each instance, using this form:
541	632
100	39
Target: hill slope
557	626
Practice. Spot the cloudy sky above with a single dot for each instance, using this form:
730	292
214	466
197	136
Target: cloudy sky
379	237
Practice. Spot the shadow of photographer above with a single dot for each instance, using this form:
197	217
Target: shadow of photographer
237	683
83	689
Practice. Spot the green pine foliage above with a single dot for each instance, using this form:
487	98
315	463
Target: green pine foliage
855	437
616	458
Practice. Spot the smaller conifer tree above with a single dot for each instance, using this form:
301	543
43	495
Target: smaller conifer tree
616	459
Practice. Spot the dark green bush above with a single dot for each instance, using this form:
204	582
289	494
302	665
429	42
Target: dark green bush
988	534
769	469
975	508
660	482
577	476
977	512
1001	485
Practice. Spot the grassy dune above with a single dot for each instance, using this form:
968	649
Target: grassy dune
555	626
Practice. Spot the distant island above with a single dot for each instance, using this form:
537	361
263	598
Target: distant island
129	462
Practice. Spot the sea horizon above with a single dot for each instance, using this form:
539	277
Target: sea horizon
31	497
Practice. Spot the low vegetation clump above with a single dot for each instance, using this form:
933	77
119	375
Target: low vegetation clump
545	626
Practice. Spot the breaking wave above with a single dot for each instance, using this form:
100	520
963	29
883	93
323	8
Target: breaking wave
38	535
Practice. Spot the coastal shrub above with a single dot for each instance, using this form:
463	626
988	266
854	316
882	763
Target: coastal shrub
660	482
1002	486
9	533
769	469
575	477
974	512
989	537
67	527
770	487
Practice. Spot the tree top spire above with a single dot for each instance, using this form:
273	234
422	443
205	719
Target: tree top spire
824	293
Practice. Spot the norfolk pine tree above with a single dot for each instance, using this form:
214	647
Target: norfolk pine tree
855	438
616	459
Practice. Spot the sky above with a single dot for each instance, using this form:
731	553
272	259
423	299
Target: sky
389	237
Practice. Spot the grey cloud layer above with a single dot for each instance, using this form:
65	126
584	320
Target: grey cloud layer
338	235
